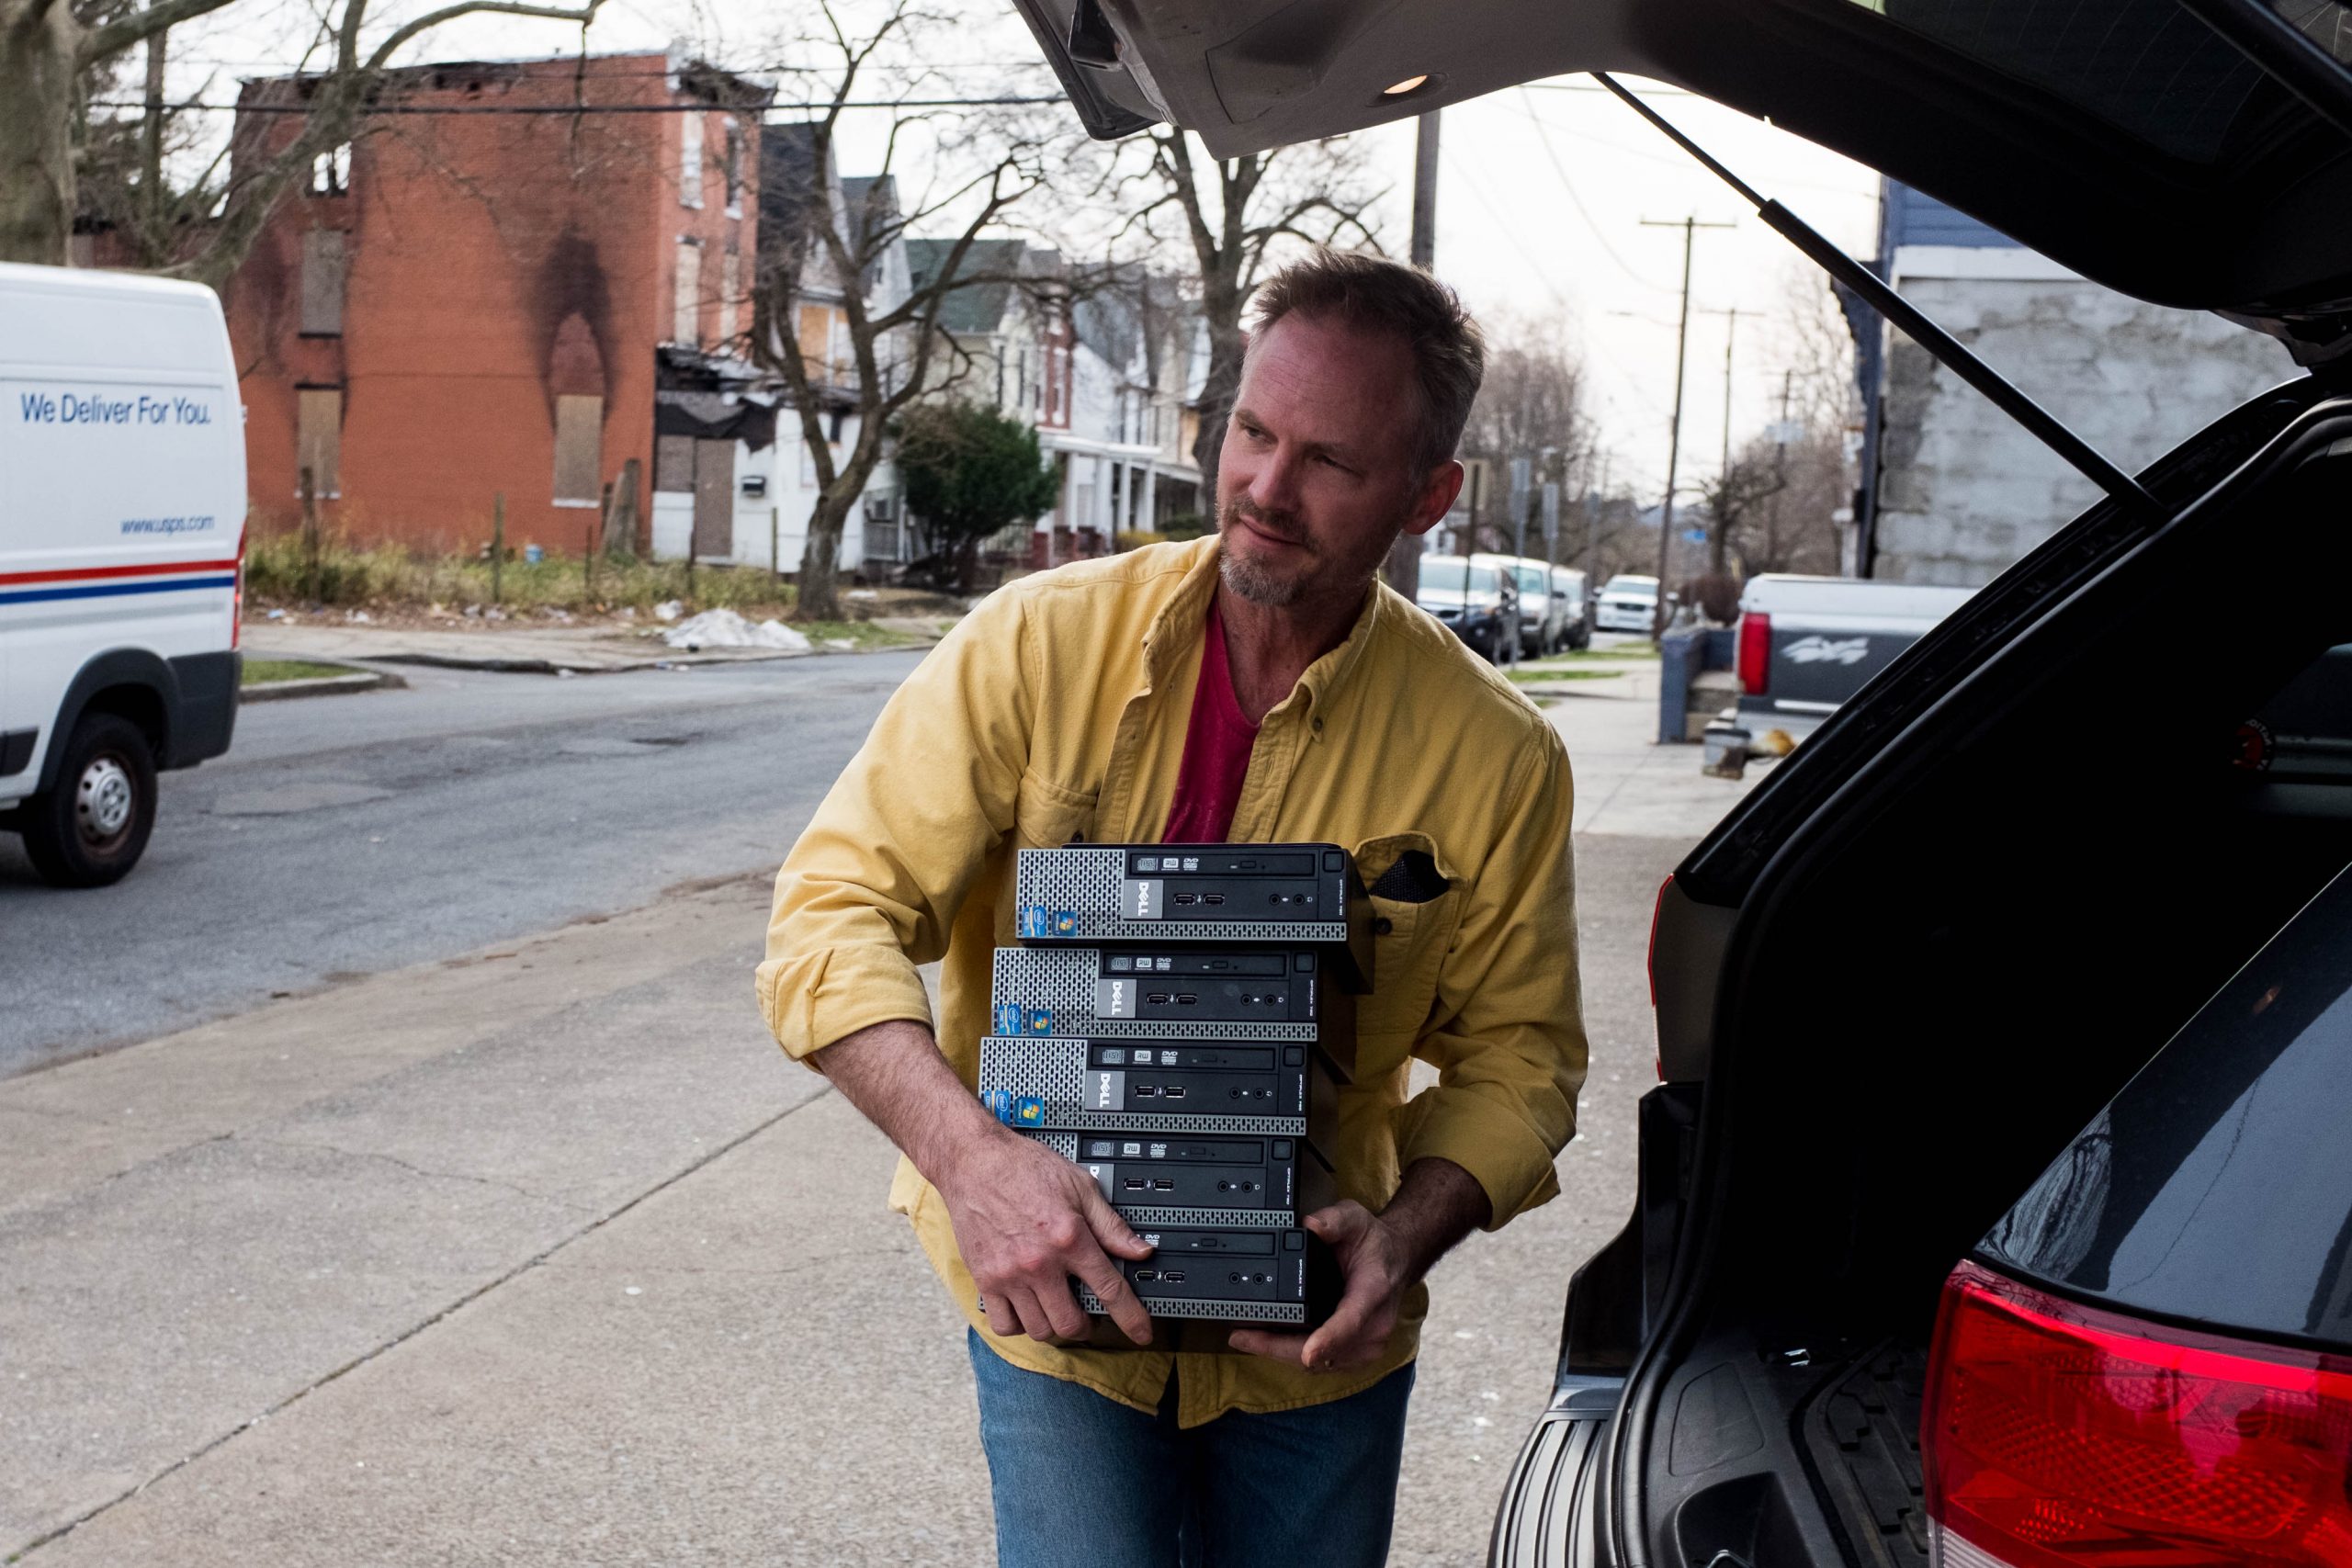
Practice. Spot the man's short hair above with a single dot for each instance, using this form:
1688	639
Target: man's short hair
1375	294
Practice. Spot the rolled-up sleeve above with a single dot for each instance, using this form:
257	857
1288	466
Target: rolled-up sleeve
1509	1045
872	887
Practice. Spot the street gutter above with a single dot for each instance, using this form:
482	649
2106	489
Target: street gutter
320	686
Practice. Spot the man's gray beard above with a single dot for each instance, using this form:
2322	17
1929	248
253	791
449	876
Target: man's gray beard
1255	584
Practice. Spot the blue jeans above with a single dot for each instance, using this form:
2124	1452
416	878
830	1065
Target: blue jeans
1084	1482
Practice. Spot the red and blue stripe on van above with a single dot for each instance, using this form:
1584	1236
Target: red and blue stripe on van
115	582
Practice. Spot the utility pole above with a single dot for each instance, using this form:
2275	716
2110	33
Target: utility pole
151	152
1779	467
1593	501
1718	537
1690	227
1403	564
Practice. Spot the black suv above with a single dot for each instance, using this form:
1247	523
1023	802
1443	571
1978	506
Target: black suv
2028	1241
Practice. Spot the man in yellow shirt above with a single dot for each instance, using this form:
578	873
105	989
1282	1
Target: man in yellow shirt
1264	680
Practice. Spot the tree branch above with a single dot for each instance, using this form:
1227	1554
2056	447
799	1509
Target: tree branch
137	27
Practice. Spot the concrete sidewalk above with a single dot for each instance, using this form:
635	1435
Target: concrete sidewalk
1627	782
545	1256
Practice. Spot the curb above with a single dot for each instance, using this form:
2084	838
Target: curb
565	667
320	686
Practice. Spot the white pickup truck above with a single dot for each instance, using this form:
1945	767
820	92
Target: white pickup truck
1807	644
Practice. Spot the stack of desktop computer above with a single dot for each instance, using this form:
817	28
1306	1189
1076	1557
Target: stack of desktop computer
1174	1023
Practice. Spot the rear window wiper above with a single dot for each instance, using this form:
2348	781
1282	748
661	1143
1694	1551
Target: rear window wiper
2043	425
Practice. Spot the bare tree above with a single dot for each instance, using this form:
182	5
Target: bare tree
1237	215
1775	510
1530	404
51	50
897	350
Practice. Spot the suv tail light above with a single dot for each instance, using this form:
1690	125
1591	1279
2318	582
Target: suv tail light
1755	654
2060	1436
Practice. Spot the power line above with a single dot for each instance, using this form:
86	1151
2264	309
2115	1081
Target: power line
1649	157
374	110
1656	90
1569	187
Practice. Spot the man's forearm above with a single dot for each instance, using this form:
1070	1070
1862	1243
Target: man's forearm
895	1075
1436	1205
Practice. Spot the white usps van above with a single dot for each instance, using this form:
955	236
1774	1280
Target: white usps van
122	508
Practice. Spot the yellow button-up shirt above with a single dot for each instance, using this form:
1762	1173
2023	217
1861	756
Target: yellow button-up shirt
1056	710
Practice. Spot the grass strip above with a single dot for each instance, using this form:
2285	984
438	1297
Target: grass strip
270	671
1527	677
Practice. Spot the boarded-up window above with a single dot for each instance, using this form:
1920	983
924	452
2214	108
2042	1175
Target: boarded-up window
734	170
687	328
690	161
318	439
673	463
323	275
579	450
730	291
817	339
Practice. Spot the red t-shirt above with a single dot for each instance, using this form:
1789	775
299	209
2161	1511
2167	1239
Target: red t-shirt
1217	749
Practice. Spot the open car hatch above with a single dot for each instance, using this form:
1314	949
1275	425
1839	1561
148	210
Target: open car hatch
2129	140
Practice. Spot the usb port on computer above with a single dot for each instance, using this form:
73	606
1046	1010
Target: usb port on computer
1146	1276
1174	1276
1133	1183
1158	998
1212	897
1143	1091
1186	898
1175	1094
1186	998
1162	1184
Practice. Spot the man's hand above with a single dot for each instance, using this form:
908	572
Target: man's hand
1380	1256
1026	1222
1373	1263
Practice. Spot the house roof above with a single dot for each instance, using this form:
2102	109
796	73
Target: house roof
976	307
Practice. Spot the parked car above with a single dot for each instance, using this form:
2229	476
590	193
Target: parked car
1628	604
1476	599
1574	590
121	526
1543	616
1992	1205
1807	644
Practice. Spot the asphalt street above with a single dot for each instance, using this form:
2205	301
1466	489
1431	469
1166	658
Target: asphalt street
505	1235
349	835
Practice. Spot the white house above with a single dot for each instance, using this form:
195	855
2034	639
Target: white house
734	480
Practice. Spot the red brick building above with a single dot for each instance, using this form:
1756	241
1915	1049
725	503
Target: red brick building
470	300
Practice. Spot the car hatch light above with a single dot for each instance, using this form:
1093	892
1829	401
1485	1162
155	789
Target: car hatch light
2062	1436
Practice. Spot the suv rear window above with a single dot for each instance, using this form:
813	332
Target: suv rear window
2325	22
2145	66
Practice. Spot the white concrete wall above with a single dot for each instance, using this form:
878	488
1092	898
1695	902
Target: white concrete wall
673	524
792	492
1963	492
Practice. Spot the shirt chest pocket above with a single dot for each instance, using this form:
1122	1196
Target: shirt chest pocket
1416	903
1048	815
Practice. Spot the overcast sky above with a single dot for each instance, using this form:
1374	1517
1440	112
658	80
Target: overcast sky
1542	191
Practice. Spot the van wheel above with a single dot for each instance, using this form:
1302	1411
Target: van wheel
91	826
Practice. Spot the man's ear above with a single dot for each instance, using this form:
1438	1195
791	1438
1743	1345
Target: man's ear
1436	499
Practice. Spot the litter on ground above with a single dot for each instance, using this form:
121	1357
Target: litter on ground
725	628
